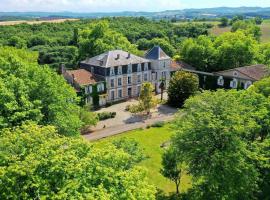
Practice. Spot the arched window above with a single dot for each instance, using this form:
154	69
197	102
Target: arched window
234	83
248	84
220	81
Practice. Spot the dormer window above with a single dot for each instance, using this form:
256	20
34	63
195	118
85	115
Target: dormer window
220	81
112	71
235	74
120	70
139	69
146	67
129	71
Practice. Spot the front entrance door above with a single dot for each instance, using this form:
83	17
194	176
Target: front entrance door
129	92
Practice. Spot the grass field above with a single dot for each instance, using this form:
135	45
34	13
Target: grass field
150	140
7	23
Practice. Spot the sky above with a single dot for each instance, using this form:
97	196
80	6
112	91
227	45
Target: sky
120	5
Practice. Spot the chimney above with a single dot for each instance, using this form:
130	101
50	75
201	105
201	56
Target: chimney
63	69
73	78
129	55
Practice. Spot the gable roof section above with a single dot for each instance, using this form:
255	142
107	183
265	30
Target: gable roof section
83	77
114	58
156	53
254	72
180	65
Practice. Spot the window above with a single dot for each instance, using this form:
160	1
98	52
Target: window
220	81
234	83
164	64
92	70
88	89
235	74
139	68
100	87
129	81
138	89
120	93
112	71
112	95
145	66
164	75
145	77
129	69
139	78
119	81
248	84
153	76
112	83
120	70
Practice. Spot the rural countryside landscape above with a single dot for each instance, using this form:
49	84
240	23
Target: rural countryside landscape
134	100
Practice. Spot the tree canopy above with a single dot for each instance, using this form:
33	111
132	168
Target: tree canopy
30	92
219	137
37	163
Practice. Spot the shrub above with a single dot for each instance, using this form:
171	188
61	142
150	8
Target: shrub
158	124
182	86
106	115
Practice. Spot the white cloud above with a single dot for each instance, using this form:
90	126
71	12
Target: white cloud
89	5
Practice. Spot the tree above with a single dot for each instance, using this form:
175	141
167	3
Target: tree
88	117
17	42
100	38
224	21
147	99
262	87
199	53
37	163
258	20
172	167
33	93
182	85
216	134
248	27
235	50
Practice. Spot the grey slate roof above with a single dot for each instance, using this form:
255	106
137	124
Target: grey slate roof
156	53
114	58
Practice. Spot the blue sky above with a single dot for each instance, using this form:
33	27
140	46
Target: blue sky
121	5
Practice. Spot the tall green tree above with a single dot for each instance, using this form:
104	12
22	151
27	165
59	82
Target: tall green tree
147	100
172	167
30	92
217	134
249	27
100	38
37	163
182	85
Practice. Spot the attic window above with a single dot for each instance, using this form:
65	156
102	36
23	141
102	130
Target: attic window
117	57
235	74
112	71
119	70
129	69
139	67
146	67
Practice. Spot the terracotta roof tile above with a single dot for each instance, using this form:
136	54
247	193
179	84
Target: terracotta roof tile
83	77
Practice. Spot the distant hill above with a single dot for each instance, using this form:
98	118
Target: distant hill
168	14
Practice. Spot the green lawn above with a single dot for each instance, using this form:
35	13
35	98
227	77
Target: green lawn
150	140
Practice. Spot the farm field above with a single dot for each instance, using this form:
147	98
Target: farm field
7	23
151	140
265	27
216	30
